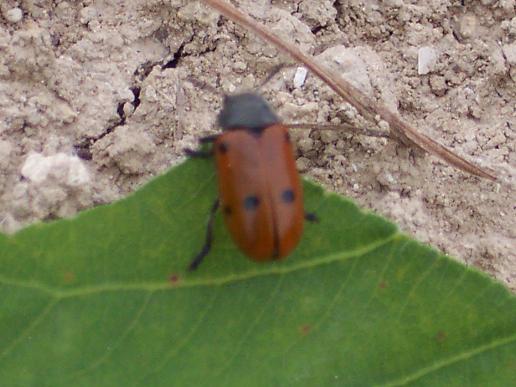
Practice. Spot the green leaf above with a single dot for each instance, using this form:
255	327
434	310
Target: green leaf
104	300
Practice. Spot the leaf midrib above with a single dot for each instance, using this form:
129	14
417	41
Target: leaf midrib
81	291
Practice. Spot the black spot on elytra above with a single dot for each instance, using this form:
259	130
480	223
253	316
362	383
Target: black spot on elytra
223	147
227	210
288	196
251	202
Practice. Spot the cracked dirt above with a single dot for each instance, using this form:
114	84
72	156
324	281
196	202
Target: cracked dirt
95	99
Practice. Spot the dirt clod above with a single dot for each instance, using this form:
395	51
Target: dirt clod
111	84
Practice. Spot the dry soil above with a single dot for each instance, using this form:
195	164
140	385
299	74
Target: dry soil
96	98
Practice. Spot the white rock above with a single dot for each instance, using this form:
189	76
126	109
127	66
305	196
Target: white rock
300	77
35	168
426	60
14	15
68	169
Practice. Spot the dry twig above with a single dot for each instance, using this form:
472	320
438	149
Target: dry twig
365	105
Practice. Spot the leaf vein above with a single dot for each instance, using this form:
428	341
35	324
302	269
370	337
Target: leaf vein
462	356
103	358
201	282
186	339
416	284
251	326
29	328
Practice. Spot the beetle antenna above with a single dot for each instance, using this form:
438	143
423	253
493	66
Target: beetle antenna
205	86
340	127
272	73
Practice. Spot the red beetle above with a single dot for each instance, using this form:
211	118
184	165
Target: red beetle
260	190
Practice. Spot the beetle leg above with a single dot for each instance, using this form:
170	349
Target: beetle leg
199	154
202	153
311	217
205	86
208	139
209	239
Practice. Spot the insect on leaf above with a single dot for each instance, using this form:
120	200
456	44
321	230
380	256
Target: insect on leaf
104	299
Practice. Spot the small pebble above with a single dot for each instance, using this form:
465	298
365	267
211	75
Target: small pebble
14	15
438	85
467	26
87	14
426	60
239	66
302	164
128	109
300	77
386	179
509	50
67	168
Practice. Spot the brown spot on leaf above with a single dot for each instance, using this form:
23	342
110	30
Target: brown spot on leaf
383	285
68	277
441	336
305	329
